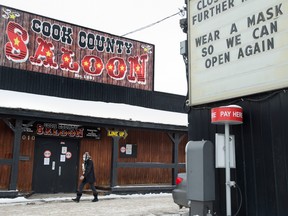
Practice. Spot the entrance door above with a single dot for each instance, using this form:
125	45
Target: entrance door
55	165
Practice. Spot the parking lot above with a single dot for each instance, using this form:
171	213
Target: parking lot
120	205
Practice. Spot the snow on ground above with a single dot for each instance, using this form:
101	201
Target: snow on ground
64	197
120	205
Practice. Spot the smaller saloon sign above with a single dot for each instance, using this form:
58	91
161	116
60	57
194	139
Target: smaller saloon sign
35	43
236	48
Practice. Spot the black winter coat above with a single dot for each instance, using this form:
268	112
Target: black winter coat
89	175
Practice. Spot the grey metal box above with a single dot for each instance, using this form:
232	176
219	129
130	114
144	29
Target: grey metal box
183	47
200	168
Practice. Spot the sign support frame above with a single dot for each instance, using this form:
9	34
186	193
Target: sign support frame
227	170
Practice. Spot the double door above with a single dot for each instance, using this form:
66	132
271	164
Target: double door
55	165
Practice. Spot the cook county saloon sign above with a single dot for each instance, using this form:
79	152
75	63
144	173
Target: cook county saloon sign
40	44
236	48
63	130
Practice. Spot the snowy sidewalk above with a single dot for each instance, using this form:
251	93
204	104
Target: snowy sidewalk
58	197
120	205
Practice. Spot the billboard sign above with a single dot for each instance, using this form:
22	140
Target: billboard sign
40	44
236	48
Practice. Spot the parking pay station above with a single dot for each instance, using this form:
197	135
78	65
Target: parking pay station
227	115
200	170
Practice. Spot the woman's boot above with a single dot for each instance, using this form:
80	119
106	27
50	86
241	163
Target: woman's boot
95	197
77	199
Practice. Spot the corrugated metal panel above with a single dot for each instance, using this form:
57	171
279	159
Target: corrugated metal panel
261	154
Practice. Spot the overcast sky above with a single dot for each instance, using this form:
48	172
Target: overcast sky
119	17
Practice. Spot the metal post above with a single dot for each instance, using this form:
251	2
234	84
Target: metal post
232	114
227	170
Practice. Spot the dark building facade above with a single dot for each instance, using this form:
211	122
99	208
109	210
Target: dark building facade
261	153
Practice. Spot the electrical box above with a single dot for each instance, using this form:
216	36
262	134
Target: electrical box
220	151
200	168
183	47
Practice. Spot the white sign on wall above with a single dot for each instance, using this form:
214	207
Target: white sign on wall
236	48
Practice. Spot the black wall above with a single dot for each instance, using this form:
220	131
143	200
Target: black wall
261	154
52	85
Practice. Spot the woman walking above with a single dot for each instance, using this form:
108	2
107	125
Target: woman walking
88	177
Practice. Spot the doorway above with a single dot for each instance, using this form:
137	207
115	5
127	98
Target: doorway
55	165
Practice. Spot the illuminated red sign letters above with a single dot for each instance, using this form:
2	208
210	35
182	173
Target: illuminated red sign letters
48	46
227	114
